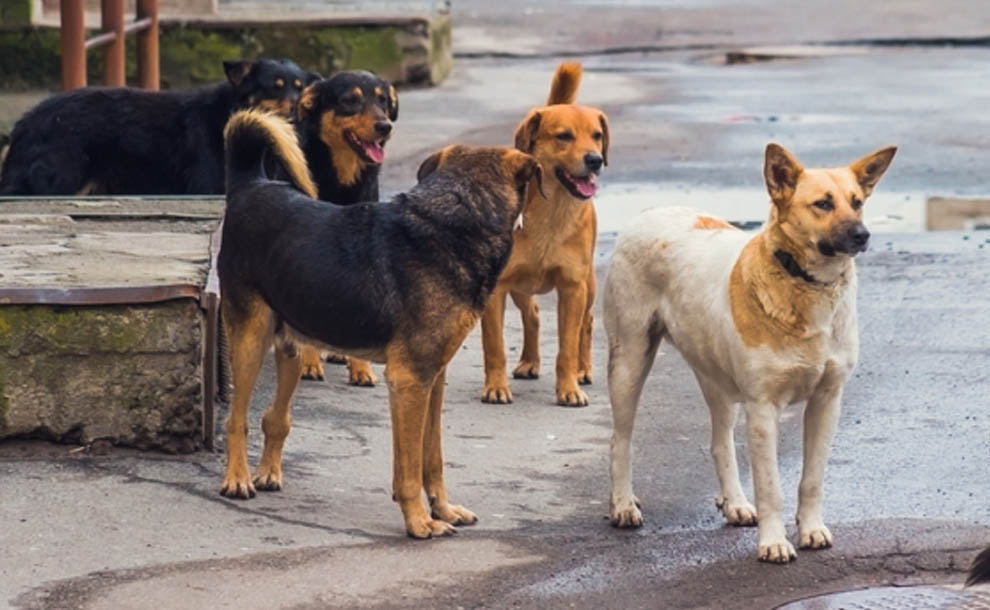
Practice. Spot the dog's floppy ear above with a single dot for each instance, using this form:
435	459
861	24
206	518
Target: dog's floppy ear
431	164
307	101
605	136
781	170
393	103
236	71
526	132
870	168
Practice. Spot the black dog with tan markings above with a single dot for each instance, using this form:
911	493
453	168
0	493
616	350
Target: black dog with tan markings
400	282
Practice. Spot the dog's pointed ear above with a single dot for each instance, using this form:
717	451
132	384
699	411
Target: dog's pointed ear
236	71
306	103
393	103
527	130
605	136
871	168
431	163
781	170
526	170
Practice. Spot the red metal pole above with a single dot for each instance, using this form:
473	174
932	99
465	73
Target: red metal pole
113	56
73	44
147	46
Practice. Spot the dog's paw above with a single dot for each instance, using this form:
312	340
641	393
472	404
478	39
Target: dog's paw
572	398
527	370
626	513
361	375
335	358
736	512
497	394
237	484
814	538
780	551
429	528
453	514
268	479
313	370
584	377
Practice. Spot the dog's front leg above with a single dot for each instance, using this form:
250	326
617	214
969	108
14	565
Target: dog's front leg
584	353
436	491
761	437
821	417
312	363
572	301
408	401
493	345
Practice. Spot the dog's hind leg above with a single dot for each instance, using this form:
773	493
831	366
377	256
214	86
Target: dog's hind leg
633	342
821	416
732	500
249	335
277	420
529	361
762	423
436	491
493	345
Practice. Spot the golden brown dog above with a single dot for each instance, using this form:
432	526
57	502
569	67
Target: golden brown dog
554	249
430	259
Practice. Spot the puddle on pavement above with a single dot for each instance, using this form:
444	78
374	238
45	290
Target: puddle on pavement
899	598
618	205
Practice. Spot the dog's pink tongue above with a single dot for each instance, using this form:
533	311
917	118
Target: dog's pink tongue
587	186
375	151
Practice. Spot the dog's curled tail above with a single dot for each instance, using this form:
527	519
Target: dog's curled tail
980	571
248	134
564	88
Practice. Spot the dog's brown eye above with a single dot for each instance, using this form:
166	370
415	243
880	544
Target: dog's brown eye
856	203
565	136
596	136
824	204
279	83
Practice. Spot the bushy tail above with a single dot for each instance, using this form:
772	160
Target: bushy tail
980	571
564	88
249	133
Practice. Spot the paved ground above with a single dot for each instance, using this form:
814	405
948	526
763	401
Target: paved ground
907	493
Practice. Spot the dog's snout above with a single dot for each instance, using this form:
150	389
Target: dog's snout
858	235
593	161
383	128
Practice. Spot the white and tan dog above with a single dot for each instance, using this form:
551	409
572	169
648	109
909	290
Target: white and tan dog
766	320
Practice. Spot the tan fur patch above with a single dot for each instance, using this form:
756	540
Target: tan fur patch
711	224
279	107
282	137
279	83
346	161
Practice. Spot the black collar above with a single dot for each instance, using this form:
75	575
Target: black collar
793	268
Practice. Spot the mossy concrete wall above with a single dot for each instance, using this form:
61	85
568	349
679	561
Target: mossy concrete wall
129	374
414	51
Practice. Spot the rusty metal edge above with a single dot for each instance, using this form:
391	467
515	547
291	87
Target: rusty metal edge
210	302
113	295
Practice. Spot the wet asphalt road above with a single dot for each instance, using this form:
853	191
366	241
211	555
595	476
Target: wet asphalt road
907	491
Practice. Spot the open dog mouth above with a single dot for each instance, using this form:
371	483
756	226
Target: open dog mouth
582	187
372	152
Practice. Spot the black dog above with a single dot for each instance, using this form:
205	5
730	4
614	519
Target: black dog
132	142
979	572
343	123
400	282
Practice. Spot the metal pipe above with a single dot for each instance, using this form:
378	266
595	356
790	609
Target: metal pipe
147	45
114	62
73	29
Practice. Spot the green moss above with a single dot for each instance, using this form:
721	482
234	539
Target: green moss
191	57
4	405
15	12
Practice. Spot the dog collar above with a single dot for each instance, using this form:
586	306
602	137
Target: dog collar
793	268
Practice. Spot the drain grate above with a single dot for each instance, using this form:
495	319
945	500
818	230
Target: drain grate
897	598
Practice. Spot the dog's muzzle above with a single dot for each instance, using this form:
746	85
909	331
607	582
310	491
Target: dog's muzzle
851	239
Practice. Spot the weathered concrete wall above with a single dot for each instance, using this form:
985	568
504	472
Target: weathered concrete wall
413	51
132	375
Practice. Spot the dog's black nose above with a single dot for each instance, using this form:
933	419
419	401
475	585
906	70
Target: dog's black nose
593	161
383	128
858	235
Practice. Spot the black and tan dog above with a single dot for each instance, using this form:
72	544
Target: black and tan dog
343	123
400	282
133	142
